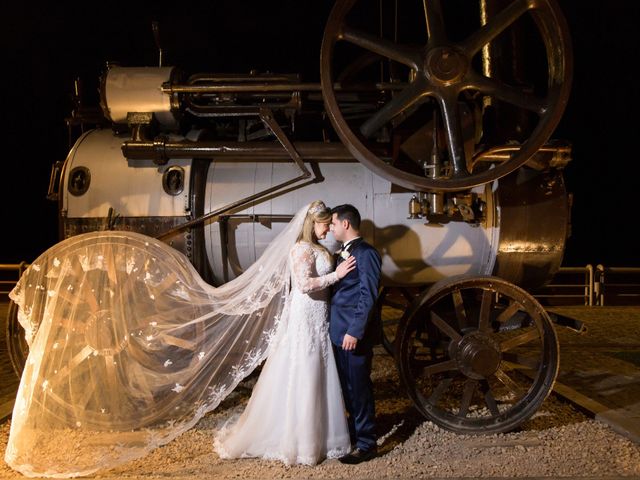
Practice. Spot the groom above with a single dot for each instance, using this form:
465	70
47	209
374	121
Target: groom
351	334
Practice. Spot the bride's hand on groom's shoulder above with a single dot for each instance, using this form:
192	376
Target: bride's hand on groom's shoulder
346	266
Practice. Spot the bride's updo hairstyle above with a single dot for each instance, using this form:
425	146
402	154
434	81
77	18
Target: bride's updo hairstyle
318	212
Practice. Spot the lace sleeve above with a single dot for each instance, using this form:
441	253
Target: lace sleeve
302	263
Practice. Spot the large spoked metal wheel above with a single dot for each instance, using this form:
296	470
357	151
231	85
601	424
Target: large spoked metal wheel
104	333
477	354
100	347
448	88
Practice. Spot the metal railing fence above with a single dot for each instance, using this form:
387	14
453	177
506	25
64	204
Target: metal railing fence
9	275
617	285
586	285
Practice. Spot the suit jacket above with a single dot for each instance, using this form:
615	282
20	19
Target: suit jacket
354	295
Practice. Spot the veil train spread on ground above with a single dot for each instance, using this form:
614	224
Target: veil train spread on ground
129	347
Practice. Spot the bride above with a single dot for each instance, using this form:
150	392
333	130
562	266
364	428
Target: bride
129	348
296	412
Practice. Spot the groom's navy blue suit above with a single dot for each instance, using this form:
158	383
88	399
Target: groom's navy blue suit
351	303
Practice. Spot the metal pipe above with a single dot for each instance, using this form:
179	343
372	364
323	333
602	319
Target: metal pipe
224	246
232	77
591	283
266	116
270	87
599	285
558	154
224	236
231	206
263	151
504	152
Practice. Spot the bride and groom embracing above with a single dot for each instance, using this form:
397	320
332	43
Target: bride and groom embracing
129	348
321	363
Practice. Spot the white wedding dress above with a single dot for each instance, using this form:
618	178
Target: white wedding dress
296	412
129	348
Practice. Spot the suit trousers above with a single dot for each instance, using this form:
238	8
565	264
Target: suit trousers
354	370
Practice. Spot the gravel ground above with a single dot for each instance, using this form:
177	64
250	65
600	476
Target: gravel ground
557	441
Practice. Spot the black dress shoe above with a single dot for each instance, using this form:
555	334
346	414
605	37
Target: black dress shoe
358	456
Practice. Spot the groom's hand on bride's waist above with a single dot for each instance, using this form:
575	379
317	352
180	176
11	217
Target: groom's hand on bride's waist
349	342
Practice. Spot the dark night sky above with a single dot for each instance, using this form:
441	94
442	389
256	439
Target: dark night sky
44	47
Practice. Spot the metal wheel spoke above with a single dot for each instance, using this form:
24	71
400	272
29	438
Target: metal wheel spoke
167	282
178	342
89	298
512	95
485	311
398	104
496	25
458	305
434	21
511	385
467	395
453	131
489	399
82	402
77	359
440	367
347	75
519	340
111	379
509	312
139	377
444	327
439	390
111	269
67	296
518	362
129	284
409	56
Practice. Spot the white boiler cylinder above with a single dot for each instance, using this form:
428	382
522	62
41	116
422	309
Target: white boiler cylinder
521	237
412	252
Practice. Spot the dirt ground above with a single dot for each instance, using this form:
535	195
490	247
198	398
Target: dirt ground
557	441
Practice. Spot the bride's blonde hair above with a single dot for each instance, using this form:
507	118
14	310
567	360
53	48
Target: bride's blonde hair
318	212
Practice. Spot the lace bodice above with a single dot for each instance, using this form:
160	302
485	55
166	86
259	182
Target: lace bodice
296	411
311	268
311	273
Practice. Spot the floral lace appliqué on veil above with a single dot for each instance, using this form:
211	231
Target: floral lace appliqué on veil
129	347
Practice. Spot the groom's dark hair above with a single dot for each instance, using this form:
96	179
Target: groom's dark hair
349	213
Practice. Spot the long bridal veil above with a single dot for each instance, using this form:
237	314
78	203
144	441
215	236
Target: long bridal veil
129	347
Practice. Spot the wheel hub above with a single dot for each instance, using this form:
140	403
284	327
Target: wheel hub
101	336
477	355
445	65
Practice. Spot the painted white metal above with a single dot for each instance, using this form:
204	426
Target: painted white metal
138	90
412	252
131	188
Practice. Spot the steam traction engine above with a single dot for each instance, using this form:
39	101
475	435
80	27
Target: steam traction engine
437	127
